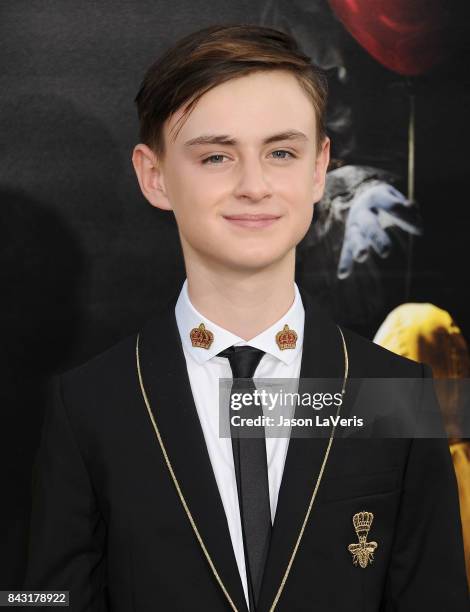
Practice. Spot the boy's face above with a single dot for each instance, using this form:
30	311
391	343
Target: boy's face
221	166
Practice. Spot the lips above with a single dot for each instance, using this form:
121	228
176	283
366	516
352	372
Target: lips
252	220
251	217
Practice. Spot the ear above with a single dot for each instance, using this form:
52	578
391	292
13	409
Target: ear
149	172
321	166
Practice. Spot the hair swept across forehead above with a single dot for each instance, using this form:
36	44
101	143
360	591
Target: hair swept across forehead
211	56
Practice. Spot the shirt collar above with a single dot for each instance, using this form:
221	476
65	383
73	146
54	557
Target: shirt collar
187	318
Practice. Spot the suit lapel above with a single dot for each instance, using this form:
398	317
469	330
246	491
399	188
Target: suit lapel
322	357
167	385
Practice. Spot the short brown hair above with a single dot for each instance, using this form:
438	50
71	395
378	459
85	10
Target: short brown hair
211	56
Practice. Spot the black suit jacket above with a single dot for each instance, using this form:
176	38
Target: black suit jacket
108	525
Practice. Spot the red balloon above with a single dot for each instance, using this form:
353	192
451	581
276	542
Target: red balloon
406	37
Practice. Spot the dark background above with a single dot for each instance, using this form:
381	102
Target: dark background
85	259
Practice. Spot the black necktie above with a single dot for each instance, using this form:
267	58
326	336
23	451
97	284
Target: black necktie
251	470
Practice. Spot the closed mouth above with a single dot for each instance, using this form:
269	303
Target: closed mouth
260	217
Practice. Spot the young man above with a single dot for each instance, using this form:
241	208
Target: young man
139	503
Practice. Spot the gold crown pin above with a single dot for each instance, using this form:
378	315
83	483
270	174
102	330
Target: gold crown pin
364	551
286	338
201	337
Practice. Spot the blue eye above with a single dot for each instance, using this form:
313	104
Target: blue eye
216	157
283	152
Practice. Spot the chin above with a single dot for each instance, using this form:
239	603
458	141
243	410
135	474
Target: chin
255	261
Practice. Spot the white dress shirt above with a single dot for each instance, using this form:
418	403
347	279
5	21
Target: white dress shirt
204	370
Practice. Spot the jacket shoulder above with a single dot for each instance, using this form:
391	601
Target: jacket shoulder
371	359
107	363
102	383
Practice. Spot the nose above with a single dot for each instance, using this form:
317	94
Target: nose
252	182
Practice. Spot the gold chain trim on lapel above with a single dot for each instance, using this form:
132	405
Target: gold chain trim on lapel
320	474
177	486
186	507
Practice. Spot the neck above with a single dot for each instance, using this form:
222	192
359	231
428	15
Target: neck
243	302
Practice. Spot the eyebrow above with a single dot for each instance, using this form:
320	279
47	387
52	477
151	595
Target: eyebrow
224	139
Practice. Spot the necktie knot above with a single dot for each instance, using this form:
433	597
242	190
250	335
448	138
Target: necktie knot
243	360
